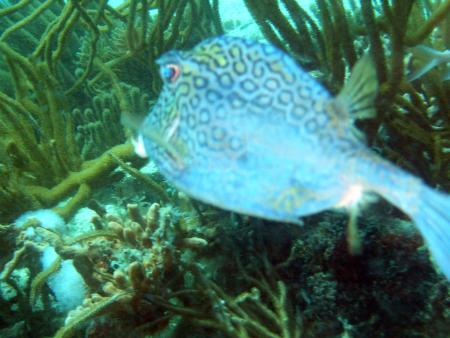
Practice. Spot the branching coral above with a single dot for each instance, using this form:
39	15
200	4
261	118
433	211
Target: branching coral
99	128
157	285
145	247
142	273
147	271
60	112
262	311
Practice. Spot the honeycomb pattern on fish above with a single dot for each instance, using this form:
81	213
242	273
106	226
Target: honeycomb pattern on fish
271	87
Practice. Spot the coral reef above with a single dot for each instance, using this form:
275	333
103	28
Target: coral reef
160	269
152	261
144	271
63	91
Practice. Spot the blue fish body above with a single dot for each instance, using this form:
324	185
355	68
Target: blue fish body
240	125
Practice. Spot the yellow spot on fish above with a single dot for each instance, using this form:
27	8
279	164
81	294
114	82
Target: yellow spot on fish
239	67
222	61
289	200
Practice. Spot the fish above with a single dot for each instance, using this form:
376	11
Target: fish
240	125
430	59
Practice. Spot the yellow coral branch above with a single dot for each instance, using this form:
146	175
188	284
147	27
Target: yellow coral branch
93	171
41	278
86	314
75	203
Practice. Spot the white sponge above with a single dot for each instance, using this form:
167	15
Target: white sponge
46	217
67	284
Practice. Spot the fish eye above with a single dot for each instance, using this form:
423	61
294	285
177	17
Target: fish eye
170	72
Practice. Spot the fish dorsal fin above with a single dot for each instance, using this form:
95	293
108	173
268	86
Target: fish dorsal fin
356	99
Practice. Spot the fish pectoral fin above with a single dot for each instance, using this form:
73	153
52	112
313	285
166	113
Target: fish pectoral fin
131	121
356	99
178	154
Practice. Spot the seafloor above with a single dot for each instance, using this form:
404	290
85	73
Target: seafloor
95	242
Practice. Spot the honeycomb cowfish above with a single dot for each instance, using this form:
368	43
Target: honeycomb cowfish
241	126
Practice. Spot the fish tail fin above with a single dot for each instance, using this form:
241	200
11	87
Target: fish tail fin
432	217
428	208
429	58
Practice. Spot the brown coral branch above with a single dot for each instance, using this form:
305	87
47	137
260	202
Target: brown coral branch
375	40
307	37
343	27
26	20
12	264
27	68
13	8
146	180
423	31
61	41
144	23
398	23
38	281
93	45
21	133
177	21
131	37
52	29
334	61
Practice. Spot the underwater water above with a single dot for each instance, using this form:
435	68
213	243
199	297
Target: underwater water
224	168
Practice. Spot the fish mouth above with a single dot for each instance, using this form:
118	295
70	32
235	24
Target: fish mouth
172	150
